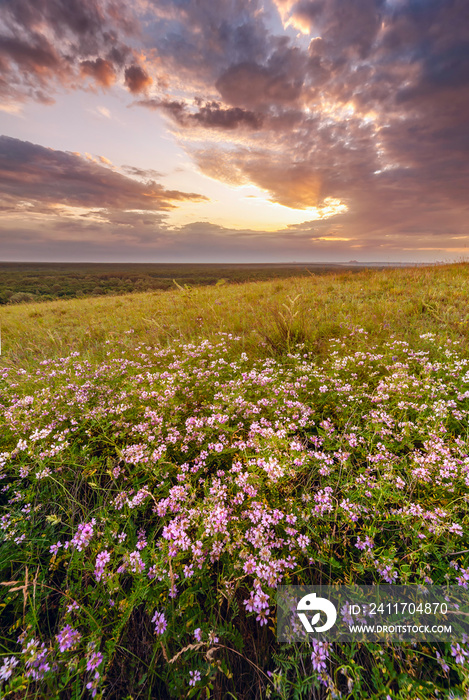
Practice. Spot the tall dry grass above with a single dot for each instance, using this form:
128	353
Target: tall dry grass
270	316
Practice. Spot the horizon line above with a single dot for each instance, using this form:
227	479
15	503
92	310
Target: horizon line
226	262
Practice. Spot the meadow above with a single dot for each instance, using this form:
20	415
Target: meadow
169	458
32	282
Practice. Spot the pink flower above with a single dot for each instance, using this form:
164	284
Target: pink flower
320	655
101	560
160	622
68	638
7	669
94	660
194	677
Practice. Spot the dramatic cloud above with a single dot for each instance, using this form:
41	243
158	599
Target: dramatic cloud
40	179
361	101
202	39
47	43
373	111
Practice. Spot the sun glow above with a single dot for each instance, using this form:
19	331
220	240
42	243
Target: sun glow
249	207
331	238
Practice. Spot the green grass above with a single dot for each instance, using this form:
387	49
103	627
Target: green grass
407	302
23	282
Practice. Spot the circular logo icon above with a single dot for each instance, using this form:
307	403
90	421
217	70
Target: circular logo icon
310	603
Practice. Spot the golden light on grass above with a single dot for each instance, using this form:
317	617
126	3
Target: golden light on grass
51	328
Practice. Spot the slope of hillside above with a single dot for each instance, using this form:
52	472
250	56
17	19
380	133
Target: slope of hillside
167	460
408	302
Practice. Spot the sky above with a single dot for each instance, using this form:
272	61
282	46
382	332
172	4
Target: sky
234	130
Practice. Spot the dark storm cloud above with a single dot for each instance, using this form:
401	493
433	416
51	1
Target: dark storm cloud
350	26
46	178
212	114
50	42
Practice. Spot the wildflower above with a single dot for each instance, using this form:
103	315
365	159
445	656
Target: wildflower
442	662
323	500
153	571
36	664
138	499
386	571
134	454
188	571
320	655
194	677
160	622
7	669
262	618
92	686
136	563
142	540
84	535
463	580
101	560
457	529
460	654
366	544
198	634
303	541
94	660
346	614
68	638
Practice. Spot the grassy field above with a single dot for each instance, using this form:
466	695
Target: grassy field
268	315
169	458
26	282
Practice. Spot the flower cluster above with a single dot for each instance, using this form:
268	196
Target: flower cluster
149	477
68	638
